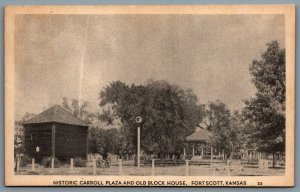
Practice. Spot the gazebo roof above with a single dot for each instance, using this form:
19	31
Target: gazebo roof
56	114
199	135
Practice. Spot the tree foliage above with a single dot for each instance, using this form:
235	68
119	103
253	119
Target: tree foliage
169	112
79	110
217	120
105	141
19	137
265	113
239	137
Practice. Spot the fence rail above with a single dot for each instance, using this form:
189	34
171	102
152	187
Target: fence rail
154	167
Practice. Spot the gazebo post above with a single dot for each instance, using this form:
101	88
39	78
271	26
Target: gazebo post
193	150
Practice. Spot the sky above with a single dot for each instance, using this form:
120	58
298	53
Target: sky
75	56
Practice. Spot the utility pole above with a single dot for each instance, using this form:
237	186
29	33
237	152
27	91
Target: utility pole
138	120
138	146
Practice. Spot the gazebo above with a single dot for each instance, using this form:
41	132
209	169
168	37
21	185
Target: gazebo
201	142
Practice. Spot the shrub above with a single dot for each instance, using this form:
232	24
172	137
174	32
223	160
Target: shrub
79	162
235	155
46	162
206	157
25	160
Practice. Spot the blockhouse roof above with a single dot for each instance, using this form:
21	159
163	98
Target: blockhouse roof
56	114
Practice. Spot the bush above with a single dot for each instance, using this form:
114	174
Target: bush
206	157
25	160
46	162
235	155
79	162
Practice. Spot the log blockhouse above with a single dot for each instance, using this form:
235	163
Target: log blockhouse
56	133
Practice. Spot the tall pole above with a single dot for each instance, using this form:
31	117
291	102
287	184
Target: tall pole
138	120
138	146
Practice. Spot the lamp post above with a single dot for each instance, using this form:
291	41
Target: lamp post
138	120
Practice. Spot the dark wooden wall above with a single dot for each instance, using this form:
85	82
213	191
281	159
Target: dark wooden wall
43	132
70	140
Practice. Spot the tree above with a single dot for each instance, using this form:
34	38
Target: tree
105	141
266	111
19	137
105	135
239	135
169	112
269	77
217	120
78	110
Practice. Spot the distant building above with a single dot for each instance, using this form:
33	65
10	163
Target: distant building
56	133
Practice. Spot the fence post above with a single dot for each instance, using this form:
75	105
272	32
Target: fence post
72	163
261	164
120	166
52	165
153	167
266	164
32	164
228	167
187	167
94	166
223	154
18	163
